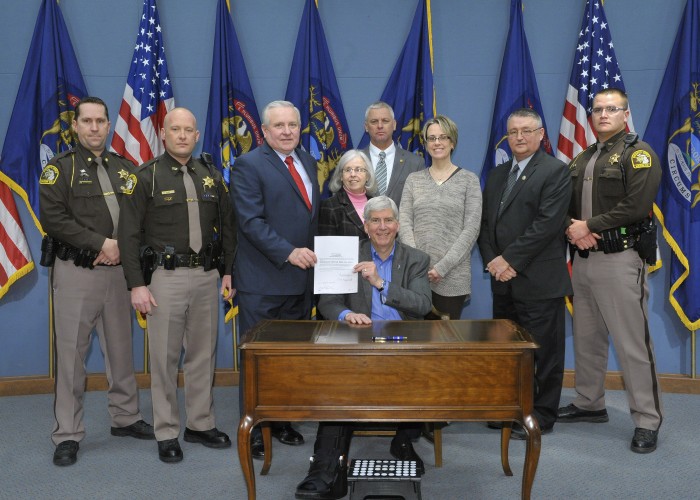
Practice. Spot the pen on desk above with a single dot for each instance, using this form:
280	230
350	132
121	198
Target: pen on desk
394	338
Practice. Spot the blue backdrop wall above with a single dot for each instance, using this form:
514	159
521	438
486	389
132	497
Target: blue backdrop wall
365	38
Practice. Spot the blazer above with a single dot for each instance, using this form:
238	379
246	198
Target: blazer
529	234
405	163
409	290
338	217
272	221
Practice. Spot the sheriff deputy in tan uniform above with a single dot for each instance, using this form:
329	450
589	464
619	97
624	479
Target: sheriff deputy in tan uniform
614	185
179	213
79	194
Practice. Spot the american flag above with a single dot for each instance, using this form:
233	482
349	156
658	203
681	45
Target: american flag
148	95
595	68
15	258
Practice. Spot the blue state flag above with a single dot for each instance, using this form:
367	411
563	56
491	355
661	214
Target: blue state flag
673	132
313	89
233	124
517	88
410	90
40	125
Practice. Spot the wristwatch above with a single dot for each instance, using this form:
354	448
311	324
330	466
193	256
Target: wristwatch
381	288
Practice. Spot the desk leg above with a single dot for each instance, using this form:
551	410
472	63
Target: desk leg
505	441
245	429
532	454
267	444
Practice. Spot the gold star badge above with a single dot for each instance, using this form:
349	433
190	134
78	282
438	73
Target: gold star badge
208	182
123	174
614	158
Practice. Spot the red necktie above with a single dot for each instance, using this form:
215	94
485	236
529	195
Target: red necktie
297	179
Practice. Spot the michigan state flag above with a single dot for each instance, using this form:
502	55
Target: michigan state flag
410	89
517	88
674	133
313	89
40	125
233	124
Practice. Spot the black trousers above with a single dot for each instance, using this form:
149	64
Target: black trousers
544	321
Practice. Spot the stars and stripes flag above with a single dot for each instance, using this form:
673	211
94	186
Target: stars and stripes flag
15	258
595	68
148	95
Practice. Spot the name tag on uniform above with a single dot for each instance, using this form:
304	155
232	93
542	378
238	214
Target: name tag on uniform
170	191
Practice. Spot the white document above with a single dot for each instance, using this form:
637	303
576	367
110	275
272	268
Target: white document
336	256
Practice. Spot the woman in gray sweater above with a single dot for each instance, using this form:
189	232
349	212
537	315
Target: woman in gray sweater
441	215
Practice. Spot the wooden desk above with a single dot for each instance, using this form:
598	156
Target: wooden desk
445	371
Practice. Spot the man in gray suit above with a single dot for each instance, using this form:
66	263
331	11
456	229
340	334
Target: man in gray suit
391	164
523	248
394	286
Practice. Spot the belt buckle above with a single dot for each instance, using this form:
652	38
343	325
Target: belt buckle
194	260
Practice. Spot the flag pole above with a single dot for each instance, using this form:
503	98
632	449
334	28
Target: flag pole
693	373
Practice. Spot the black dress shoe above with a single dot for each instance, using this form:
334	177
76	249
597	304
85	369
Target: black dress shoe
169	451
66	453
517	431
327	478
286	434
402	450
644	440
257	449
213	438
573	413
138	430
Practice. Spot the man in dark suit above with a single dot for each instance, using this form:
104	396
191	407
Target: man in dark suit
394	286
275	193
523	247
391	164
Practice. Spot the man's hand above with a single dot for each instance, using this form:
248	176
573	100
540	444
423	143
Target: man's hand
368	271
142	299
434	276
357	319
579	234
227	292
302	257
500	269
109	254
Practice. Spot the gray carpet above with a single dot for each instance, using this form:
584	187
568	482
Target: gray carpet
586	461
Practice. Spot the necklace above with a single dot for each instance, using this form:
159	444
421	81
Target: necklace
440	180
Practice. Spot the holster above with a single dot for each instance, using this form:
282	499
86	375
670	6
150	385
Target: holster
149	263
213	258
645	240
48	251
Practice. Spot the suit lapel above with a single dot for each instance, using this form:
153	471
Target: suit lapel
281	167
523	178
397	168
349	208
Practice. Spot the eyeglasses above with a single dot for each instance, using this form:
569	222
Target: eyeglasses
357	170
525	132
388	221
611	110
436	138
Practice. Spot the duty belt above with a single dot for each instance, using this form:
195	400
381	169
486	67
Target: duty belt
182	259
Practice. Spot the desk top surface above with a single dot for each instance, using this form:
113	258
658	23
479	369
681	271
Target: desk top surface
471	334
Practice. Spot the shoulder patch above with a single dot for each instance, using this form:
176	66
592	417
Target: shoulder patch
49	175
641	159
129	185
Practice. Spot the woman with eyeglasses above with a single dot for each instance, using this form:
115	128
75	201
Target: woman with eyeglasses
441	215
353	183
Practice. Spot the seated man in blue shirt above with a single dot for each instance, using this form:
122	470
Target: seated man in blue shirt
394	286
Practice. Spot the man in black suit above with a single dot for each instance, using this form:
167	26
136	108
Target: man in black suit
393	286
275	192
391	164
523	247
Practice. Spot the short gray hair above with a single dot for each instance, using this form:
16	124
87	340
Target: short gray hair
336	181
379	105
380	203
278	104
526	113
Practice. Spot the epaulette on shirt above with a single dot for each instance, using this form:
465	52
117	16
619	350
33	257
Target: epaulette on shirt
573	162
63	154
